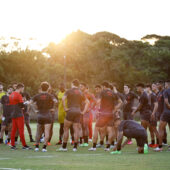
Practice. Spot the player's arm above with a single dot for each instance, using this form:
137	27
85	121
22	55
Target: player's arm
119	141
154	110
64	102
87	103
166	99
167	102
138	108
118	106
125	143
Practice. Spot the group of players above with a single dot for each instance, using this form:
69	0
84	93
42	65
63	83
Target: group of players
78	107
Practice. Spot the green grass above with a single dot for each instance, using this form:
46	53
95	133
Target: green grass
83	159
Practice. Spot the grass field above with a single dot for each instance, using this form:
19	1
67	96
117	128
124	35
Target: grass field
83	159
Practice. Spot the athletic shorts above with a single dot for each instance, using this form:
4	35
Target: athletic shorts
7	121
165	117
105	121
26	117
44	118
139	134
74	115
127	116
146	116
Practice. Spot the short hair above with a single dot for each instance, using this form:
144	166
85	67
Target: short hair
9	87
161	82
148	85
106	84
19	85
45	86
76	83
140	85
127	85
98	86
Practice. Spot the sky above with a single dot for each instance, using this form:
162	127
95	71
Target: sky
52	20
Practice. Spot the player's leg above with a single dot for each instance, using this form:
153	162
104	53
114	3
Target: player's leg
67	125
47	129
13	132
27	123
39	132
20	125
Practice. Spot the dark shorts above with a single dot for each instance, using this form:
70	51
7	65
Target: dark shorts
153	123
139	135
165	117
44	118
146	116
127	116
105	121
74	115
7	121
26	117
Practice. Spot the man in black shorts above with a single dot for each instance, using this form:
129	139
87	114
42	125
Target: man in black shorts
26	98
104	124
44	102
144	107
6	119
160	98
128	103
153	122
131	129
165	117
75	99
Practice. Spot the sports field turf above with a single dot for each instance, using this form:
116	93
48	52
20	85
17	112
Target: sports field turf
83	159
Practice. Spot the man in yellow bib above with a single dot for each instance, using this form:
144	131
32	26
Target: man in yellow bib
61	112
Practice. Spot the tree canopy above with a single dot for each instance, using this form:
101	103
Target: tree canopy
89	58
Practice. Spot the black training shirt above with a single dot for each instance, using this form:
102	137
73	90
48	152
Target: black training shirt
144	101
167	96
7	109
129	125
44	102
129	99
75	98
160	99
108	101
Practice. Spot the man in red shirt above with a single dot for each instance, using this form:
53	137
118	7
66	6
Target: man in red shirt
16	101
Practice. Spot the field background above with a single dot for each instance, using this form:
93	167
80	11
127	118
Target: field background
83	159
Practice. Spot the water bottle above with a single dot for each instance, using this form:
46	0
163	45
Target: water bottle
145	149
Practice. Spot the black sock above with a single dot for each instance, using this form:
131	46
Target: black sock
94	145
106	137
101	142
108	146
72	138
157	141
64	145
113	143
16	139
165	141
44	147
75	145
8	140
30	137
86	139
37	146
160	146
81	140
153	142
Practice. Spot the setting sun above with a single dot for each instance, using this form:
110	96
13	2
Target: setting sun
53	20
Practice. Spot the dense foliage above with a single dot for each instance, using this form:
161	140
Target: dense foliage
90	58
